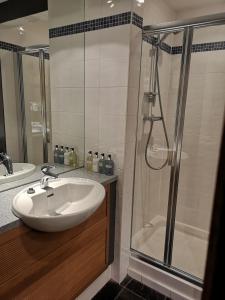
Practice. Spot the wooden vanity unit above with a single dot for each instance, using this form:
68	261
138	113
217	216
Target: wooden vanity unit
37	265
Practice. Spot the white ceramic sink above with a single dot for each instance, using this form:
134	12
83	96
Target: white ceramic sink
73	201
20	171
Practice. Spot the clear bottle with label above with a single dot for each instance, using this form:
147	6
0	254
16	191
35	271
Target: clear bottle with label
109	166
95	163
101	164
89	161
66	156
56	154
61	155
73	162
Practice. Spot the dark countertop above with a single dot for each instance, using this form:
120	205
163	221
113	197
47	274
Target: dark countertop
9	221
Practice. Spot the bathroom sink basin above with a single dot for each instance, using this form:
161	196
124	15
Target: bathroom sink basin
21	170
66	202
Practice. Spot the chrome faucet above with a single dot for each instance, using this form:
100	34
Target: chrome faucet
6	160
44	181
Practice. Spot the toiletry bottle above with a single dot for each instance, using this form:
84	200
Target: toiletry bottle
89	161
95	162
109	166
61	155
56	154
73	158
66	157
101	164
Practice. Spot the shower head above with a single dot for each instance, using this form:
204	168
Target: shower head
37	48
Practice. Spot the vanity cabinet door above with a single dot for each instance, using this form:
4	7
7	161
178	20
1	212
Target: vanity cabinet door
36	265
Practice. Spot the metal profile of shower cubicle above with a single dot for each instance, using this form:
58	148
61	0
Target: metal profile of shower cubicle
40	52
187	27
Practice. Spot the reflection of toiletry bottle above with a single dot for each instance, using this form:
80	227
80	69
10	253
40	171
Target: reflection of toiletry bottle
73	158
66	157
56	154
95	162
61	155
101	164
89	161
109	166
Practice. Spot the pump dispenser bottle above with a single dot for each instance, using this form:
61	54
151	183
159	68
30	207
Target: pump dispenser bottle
56	154
109	166
101	164
73	162
89	161
66	157
61	155
95	163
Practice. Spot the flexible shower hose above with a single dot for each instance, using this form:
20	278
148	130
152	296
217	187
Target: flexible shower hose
151	129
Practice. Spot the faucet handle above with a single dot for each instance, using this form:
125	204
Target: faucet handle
46	170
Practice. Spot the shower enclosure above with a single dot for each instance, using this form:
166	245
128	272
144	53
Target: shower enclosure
34	96
180	121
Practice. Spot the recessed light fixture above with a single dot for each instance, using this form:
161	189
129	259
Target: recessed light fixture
140	2
20	30
112	5
109	1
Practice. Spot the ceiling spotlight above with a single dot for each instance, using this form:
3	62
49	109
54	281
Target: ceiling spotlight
21	30
141	1
109	1
112	5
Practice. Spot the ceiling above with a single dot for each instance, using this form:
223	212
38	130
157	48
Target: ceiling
179	5
43	17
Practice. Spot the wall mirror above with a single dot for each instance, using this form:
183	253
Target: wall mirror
41	98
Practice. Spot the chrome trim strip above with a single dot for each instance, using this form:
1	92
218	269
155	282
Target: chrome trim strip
43	105
178	136
203	21
23	131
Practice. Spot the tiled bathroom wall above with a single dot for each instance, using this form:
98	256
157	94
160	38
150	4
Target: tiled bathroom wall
67	76
10	104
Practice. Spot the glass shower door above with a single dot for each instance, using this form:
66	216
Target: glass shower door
37	110
151	187
202	133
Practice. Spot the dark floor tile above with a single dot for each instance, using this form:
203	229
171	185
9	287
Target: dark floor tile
126	280
125	294
144	291
108	292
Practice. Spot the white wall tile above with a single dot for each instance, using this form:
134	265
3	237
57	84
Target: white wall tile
92	73
114	72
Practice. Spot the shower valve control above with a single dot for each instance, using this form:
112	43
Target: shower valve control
150	97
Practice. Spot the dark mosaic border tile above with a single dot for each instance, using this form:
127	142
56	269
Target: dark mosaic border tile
137	20
203	47
96	24
163	46
10	47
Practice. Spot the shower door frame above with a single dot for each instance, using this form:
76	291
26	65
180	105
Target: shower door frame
41	58
187	27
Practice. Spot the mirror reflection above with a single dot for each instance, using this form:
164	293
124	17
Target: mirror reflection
35	125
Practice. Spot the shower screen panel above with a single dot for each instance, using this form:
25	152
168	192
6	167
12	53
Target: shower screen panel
151	187
37	122
200	150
